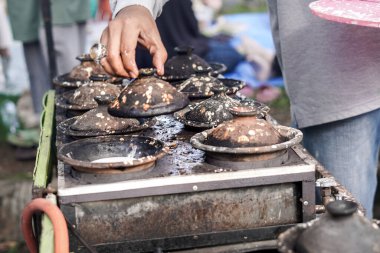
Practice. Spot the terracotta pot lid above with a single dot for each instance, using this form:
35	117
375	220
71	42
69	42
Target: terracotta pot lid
81	73
200	85
356	12
98	119
112	154
249	107
147	96
83	98
87	93
210	112
98	122
185	64
86	68
338	229
288	138
244	132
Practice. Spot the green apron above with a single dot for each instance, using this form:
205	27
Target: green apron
25	16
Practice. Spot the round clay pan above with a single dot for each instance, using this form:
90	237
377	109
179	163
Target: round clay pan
291	135
65	125
125	154
355	12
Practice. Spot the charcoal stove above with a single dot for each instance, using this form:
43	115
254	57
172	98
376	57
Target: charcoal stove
183	202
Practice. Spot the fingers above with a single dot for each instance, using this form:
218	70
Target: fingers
128	45
104	40
132	24
159	56
113	48
153	43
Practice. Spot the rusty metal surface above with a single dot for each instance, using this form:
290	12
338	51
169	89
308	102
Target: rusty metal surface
338	190
187	214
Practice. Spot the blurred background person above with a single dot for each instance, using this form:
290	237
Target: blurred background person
179	25
25	21
69	18
5	45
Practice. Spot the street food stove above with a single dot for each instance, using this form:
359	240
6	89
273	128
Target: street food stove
184	203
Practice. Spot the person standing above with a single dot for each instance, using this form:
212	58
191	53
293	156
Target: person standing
5	45
69	22
69	18
25	22
332	79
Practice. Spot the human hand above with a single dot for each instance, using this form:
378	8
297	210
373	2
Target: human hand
133	24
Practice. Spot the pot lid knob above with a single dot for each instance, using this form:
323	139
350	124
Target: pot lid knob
340	208
97	52
218	89
147	72
104	99
99	77
187	50
203	71
83	57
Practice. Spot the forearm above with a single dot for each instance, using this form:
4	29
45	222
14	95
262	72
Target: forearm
154	6
5	32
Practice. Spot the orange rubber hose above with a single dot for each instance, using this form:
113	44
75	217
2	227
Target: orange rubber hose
61	237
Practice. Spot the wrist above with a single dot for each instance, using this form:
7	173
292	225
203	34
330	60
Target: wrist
123	4
134	9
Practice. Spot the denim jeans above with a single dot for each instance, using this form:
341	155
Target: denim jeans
349	150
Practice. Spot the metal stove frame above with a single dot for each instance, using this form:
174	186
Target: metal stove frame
71	194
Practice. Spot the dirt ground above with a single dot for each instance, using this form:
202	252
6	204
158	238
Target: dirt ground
16	178
10	167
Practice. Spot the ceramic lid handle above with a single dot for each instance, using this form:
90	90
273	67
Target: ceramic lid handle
184	50
340	208
147	72
104	99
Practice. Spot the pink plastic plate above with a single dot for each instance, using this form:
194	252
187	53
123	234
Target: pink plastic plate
356	12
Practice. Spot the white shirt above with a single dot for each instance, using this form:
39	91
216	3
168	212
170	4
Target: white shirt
154	6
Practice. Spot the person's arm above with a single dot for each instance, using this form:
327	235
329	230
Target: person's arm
5	34
133	23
